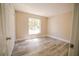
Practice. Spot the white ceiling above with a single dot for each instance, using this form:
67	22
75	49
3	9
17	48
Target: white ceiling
44	9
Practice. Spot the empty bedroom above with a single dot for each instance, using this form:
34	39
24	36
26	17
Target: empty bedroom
38	29
43	29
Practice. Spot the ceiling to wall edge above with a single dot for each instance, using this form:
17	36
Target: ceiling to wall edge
44	15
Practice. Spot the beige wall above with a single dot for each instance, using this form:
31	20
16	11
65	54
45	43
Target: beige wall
22	25
60	26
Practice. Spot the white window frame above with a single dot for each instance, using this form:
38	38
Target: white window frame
31	33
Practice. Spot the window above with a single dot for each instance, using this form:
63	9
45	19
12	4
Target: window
34	26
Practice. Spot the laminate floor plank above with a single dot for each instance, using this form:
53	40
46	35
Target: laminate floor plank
44	46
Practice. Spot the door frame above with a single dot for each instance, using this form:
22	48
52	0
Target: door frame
3	21
75	32
4	48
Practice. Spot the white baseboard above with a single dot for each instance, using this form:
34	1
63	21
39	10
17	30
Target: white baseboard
58	38
31	37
